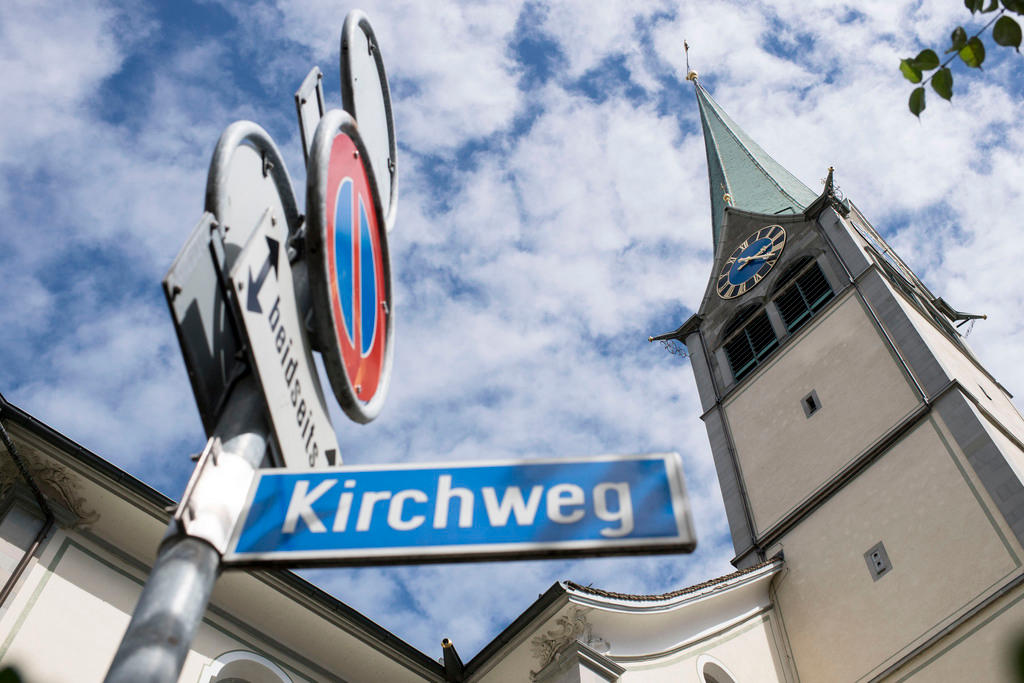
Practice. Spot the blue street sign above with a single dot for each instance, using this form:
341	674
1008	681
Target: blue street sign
399	514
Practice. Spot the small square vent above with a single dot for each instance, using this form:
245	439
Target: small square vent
810	403
878	561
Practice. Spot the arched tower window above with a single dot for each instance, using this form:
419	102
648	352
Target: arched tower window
802	291
794	269
239	666
750	338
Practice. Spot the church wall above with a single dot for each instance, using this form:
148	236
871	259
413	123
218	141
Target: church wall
49	614
1009	449
981	649
841	622
748	651
889	307
959	366
784	454
66	621
729	483
844	238
701	371
985	457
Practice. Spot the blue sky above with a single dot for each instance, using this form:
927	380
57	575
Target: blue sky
553	213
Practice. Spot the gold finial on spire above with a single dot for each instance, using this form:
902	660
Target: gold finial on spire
726	196
691	75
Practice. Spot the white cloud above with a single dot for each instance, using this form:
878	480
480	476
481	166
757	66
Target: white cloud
447	64
53	58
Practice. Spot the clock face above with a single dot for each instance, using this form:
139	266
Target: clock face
751	261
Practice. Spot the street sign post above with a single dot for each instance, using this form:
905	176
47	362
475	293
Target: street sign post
349	269
248	281
278	348
366	96
402	514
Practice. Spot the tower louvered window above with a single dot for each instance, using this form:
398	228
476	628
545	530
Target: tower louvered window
752	344
800	300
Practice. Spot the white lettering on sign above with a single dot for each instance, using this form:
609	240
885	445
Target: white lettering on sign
445	493
395	518
407	509
301	505
511	503
344	507
366	508
622	514
562	496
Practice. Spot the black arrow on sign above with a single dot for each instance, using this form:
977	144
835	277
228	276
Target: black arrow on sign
253	304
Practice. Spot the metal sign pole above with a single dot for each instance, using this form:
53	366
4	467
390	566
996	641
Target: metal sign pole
174	599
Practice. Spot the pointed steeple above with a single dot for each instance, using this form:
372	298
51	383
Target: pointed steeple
741	173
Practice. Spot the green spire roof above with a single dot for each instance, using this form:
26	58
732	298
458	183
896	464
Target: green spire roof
737	166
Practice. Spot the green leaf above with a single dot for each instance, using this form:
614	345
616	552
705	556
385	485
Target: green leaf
942	82
1014	6
926	60
916	103
959	39
910	72
974	5
992	6
1007	32
973	53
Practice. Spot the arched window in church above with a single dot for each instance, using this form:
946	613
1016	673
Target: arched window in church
802	291
713	671
750	343
239	666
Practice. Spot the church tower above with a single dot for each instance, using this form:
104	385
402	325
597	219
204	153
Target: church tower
854	434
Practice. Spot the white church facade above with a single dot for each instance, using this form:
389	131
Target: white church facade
872	472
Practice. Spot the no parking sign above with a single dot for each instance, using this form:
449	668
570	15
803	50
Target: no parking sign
349	270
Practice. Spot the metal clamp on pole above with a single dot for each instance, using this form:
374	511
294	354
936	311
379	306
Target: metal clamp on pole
215	495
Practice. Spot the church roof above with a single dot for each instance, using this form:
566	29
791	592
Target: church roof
695	588
742	174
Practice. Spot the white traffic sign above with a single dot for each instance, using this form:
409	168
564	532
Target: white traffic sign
247	177
365	95
203	322
279	348
459	512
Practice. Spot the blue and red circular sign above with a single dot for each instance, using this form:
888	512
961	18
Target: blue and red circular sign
350	277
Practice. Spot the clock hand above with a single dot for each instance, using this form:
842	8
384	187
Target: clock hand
760	255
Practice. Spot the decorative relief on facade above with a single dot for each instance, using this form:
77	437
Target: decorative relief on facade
570	628
56	484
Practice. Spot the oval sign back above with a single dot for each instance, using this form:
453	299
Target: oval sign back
365	95
349	270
